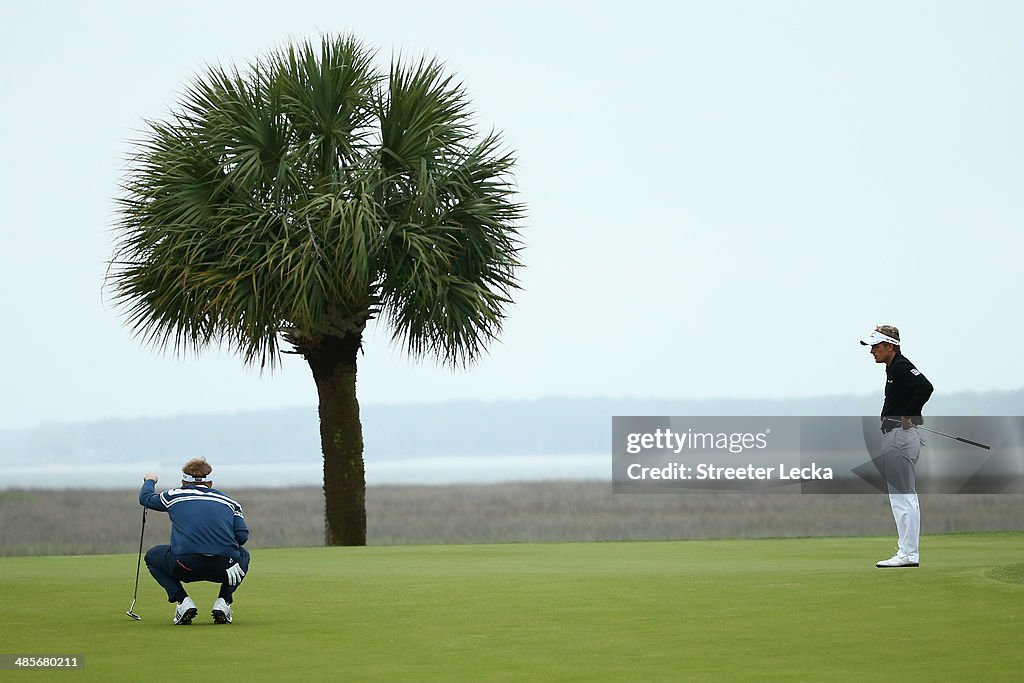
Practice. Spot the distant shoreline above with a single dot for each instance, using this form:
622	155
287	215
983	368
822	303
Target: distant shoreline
432	471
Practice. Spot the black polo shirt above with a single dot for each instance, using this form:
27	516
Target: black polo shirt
906	391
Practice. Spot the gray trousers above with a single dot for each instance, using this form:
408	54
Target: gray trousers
901	449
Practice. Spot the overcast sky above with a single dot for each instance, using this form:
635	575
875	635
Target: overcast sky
723	197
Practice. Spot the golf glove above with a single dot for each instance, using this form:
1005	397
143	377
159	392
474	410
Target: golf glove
235	574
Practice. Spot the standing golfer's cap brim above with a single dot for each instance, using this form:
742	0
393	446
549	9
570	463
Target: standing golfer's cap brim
877	337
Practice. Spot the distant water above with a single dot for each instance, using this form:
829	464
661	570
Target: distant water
433	471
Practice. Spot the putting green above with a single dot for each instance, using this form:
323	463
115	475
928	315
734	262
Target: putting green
780	609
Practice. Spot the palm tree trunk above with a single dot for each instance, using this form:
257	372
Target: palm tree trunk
341	435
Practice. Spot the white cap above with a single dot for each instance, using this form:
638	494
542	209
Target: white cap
877	337
196	480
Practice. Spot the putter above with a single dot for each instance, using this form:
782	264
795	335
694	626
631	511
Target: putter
131	610
948	436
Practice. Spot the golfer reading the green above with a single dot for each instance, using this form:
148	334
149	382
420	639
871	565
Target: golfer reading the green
207	535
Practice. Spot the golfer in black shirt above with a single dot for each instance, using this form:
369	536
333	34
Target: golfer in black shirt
906	392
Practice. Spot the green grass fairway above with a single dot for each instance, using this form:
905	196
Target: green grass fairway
810	609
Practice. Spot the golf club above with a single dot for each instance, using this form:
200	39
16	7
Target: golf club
131	610
948	436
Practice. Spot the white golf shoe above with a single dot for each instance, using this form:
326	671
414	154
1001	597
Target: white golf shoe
897	560
185	612
221	612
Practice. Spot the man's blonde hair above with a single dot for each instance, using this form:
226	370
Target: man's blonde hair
889	331
197	467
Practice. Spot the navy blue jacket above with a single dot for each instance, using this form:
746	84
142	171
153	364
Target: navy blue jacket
203	520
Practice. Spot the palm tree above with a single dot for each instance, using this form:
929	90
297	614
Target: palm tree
282	207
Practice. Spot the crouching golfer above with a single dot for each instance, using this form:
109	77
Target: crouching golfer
207	534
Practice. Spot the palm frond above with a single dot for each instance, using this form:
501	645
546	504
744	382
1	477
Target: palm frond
451	248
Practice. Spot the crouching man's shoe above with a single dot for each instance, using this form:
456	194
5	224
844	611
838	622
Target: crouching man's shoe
221	612
185	612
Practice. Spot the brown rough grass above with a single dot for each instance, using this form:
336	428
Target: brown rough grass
36	522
